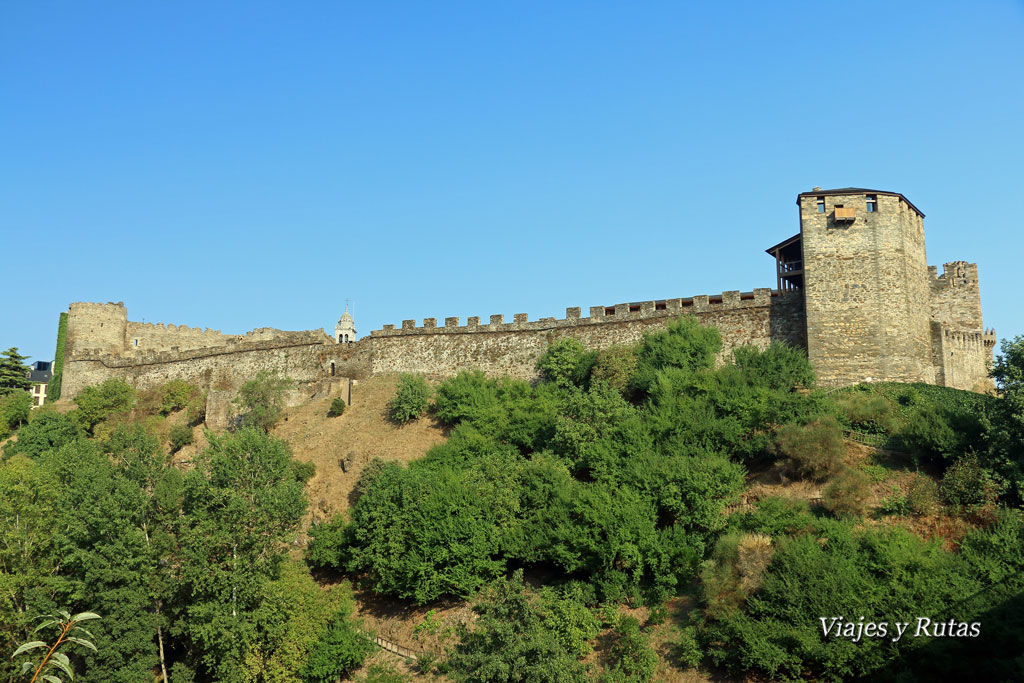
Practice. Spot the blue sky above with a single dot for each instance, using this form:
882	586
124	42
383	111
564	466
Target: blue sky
240	165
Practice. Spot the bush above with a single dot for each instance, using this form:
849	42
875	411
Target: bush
922	495
46	430
814	450
615	366
566	614
341	649
684	344
97	403
688	650
780	367
940	434
969	487
509	643
262	400
566	362
735	571
869	413
847	494
631	656
179	437
411	399
337	408
15	408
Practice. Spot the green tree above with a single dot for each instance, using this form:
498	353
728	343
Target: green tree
261	400
99	402
46	430
411	399
566	362
15	408
1006	427
242	504
509	642
341	648
13	371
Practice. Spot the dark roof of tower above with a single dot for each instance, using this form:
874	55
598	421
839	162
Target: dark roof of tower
857	190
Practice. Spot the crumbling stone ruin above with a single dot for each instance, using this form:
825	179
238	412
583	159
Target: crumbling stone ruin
853	288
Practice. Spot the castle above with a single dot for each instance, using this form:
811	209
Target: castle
853	288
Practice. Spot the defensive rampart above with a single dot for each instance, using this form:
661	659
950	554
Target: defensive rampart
512	348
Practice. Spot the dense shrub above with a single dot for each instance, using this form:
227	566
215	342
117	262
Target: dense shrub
688	650
684	344
99	402
814	450
922	495
566	362
866	412
180	395
631	657
46	430
179	436
337	408
509	642
846	495
615	366
776	517
940	434
567	616
891	575
340	649
779	367
968	486
411	399
261	400
15	408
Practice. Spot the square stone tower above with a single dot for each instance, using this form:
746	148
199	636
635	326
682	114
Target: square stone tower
865	282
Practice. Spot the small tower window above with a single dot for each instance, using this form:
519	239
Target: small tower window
136	342
872	203
821	205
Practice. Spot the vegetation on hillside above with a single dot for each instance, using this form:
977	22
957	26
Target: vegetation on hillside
564	510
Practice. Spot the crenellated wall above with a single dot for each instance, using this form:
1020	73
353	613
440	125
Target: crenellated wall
864	305
512	348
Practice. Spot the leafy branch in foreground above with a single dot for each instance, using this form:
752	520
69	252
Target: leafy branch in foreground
55	661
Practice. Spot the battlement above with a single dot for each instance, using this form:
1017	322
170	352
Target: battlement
954	274
239	344
644	310
969	339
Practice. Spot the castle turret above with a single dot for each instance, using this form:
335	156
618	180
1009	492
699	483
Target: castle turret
345	330
96	329
865	282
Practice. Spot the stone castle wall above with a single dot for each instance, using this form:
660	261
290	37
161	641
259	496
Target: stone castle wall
961	347
869	309
512	348
101	344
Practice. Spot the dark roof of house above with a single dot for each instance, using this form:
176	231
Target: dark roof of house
40	376
857	190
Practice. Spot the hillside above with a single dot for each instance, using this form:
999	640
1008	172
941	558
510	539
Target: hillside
362	433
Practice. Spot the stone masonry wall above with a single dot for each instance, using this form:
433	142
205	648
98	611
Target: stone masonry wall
955	295
512	348
867	292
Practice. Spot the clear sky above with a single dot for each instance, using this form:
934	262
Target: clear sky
254	164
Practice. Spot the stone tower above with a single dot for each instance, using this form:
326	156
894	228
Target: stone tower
97	328
345	330
866	286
